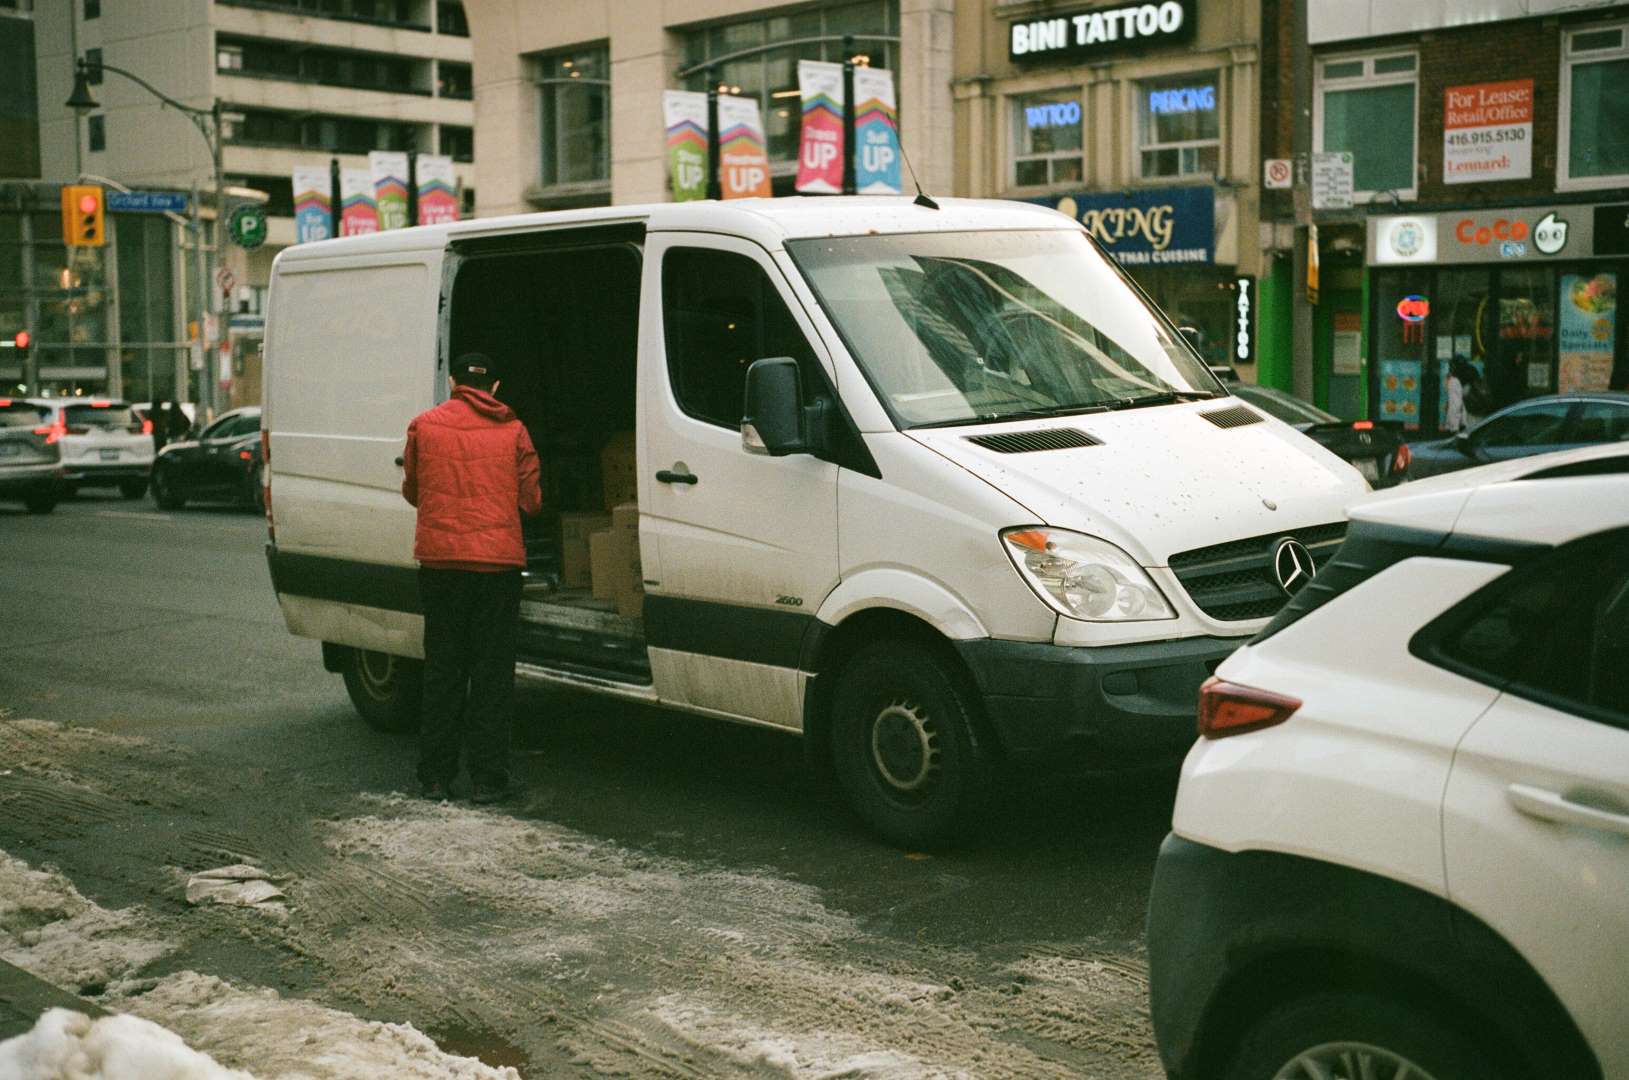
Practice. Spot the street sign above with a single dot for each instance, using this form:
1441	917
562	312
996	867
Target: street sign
1332	181
1278	174
247	227
147	202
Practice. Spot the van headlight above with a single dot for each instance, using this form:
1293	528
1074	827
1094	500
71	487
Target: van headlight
1084	577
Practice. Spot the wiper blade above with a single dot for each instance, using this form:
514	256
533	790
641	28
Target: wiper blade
1168	397
1019	414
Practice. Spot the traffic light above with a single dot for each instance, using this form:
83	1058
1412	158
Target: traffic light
83	221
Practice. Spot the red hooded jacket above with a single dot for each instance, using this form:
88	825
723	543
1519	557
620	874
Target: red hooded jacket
472	472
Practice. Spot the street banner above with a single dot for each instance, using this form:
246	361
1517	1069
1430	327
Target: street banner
1487	132
438	190
358	216
313	204
745	172
1589	305
876	132
820	155
685	114
389	169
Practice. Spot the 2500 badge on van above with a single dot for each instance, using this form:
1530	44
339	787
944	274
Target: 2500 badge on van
929	486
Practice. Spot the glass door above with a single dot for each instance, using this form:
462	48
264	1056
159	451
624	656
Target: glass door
1522	359
1401	327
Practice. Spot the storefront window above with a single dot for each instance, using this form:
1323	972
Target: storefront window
1047	130
575	107
1179	126
1595	112
1366	105
1401	330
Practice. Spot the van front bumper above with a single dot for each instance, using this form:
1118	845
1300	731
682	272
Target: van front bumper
1113	704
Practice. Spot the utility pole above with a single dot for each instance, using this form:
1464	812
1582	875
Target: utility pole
1301	343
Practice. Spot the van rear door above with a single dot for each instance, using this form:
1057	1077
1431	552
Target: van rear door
744	545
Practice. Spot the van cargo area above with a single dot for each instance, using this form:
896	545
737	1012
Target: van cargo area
559	320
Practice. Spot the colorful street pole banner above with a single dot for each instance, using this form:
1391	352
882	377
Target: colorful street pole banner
1589	305
389	169
1487	132
438	190
358	216
685	114
741	149
876	132
820	156
313	204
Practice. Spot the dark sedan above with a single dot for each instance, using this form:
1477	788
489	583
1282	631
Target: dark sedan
1535	426
1377	452
220	465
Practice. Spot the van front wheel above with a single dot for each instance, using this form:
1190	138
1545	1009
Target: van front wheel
384	689
903	744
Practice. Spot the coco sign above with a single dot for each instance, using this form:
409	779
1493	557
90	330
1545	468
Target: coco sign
1117	28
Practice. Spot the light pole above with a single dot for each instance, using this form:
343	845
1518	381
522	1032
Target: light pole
208	123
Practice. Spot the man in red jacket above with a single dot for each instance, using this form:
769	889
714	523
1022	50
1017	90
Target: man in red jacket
471	472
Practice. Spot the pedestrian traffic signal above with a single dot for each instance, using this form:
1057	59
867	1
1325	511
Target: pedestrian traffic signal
83	221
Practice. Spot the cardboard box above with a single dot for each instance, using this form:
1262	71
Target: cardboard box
619	470
602	564
618	571
575	529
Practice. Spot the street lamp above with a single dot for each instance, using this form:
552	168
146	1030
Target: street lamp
208	123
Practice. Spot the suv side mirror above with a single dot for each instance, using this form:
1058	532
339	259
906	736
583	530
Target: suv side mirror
774	421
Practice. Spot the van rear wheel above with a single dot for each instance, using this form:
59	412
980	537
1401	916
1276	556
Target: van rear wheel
385	689
903	744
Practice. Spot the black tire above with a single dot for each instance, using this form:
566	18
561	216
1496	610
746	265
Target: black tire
385	689
40	504
904	748
1357	1024
133	489
164	493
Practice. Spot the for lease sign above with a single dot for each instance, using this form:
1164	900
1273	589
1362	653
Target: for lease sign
1487	132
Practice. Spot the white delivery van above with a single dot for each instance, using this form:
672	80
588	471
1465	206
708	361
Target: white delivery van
929	486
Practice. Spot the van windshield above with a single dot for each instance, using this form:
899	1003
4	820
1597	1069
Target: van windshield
968	328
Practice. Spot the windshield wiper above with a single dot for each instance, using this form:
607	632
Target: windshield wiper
1167	397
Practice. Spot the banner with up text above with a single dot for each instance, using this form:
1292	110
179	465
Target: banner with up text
820	153
741	151
389	169
685	114
358	215
313	204
438	190
876	132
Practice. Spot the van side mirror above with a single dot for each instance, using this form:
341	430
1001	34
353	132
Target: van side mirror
773	420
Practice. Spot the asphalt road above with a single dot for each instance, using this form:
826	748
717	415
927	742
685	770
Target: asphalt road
163	625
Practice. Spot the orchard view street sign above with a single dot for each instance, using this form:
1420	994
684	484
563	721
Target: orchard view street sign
1117	28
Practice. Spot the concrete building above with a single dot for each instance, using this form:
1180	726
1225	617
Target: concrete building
569	96
300	81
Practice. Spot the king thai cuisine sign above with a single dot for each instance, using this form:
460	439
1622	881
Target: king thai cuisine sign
1116	28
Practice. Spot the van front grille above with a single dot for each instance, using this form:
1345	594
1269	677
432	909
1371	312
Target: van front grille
1025	442
1233	582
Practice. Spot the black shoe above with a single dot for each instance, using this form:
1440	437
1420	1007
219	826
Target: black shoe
434	790
488	794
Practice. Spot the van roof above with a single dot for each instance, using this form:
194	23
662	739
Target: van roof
767	221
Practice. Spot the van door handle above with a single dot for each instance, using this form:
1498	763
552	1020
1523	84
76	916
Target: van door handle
671	476
1550	806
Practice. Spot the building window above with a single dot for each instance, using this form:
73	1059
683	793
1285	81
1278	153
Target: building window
93	66
1594	110
1179	126
1368	105
1047	139
454	80
96	132
229	58
748	60
345	134
93	9
458	143
450	18
575	116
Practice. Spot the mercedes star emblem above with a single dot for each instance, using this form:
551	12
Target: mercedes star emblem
1293	565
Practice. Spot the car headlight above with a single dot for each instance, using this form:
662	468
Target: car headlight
1084	577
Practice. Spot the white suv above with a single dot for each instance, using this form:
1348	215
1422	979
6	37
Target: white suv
1401	845
105	443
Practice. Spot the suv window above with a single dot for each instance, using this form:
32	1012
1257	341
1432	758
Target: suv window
721	313
1539	425
231	427
108	417
21	414
1556	630
1601	422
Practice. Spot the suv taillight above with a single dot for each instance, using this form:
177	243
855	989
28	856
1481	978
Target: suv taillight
1230	709
52	433
1399	464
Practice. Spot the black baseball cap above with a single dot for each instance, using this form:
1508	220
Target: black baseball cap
473	367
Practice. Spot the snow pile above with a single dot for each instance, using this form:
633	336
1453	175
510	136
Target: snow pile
48	929
68	1045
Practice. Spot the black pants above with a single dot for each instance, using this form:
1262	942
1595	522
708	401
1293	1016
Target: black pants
470	623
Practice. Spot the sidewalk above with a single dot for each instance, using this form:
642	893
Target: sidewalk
23	998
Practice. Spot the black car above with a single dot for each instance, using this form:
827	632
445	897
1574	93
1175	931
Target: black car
1378	452
221	465
1535	426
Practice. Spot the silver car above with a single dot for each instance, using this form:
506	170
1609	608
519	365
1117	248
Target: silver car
105	443
31	469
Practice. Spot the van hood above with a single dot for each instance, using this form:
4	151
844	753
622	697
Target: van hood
1163	479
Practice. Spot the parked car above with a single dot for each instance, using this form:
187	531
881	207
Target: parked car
1401	845
104	443
1536	426
1378	452
222	464
30	456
